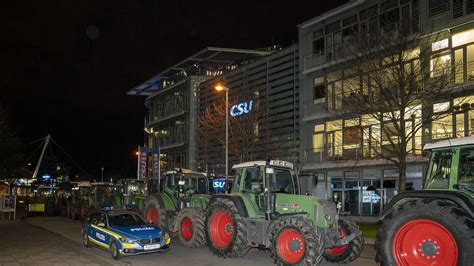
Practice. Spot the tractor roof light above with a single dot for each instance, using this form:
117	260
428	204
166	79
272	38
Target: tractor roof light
281	163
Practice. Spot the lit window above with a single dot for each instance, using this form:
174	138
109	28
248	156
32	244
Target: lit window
440	65
463	38
440	107
439	45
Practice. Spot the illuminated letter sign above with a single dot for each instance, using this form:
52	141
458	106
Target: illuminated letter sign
241	108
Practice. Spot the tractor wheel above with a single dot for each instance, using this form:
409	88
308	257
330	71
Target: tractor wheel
349	252
296	241
226	231
155	213
190	226
426	232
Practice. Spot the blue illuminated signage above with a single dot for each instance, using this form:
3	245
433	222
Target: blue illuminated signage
218	185
241	108
46	177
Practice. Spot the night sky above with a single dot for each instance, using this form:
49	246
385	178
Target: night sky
66	65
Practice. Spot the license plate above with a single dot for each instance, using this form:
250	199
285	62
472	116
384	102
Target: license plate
148	247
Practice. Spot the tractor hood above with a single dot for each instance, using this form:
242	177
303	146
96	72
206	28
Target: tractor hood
323	213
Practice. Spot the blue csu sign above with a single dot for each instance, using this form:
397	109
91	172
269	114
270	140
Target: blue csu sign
241	108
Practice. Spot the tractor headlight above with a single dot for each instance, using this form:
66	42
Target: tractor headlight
128	240
328	217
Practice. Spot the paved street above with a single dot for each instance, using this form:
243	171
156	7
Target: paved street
24	244
64	247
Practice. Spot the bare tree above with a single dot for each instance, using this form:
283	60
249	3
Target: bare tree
11	150
244	128
391	81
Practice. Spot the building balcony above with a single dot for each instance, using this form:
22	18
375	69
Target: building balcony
314	109
321	58
353	153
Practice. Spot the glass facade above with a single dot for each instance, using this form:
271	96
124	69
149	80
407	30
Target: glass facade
362	191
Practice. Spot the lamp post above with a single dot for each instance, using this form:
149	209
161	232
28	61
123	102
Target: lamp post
219	87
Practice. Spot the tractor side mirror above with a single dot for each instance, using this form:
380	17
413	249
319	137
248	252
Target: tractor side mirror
258	187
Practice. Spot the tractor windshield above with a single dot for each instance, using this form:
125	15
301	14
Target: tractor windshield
466	168
282	181
136	187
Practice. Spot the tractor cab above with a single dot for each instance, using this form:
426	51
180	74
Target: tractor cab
128	191
181	184
250	180
451	165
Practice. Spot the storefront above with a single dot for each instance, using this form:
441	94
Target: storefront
361	190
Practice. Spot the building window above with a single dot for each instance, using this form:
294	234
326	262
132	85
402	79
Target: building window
319	90
438	7
440	64
318	46
463	38
440	45
442	127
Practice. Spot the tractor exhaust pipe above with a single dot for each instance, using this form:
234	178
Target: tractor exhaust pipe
268	191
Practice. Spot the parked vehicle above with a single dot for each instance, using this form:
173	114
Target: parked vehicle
130	192
123	232
100	194
433	226
79	193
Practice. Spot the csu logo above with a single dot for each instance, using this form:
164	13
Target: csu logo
218	183
241	108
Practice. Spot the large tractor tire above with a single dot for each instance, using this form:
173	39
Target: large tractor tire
154	212
226	231
191	228
296	241
349	252
426	232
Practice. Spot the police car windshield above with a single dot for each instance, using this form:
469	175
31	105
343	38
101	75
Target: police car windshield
125	219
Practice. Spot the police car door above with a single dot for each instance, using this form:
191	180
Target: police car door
100	222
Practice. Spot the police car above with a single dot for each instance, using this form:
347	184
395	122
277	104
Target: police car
123	232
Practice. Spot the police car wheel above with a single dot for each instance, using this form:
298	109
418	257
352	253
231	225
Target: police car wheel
114	251
85	240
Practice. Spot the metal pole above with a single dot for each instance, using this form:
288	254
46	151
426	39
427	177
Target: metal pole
226	133
46	142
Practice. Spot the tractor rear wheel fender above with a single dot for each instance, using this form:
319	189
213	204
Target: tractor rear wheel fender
237	200
452	196
448	228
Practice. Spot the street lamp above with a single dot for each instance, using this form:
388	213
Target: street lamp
219	87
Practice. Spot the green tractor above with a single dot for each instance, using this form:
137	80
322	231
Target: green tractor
101	193
79	193
265	210
130	192
433	226
177	205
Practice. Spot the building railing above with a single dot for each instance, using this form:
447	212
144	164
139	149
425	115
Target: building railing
324	56
313	107
353	152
